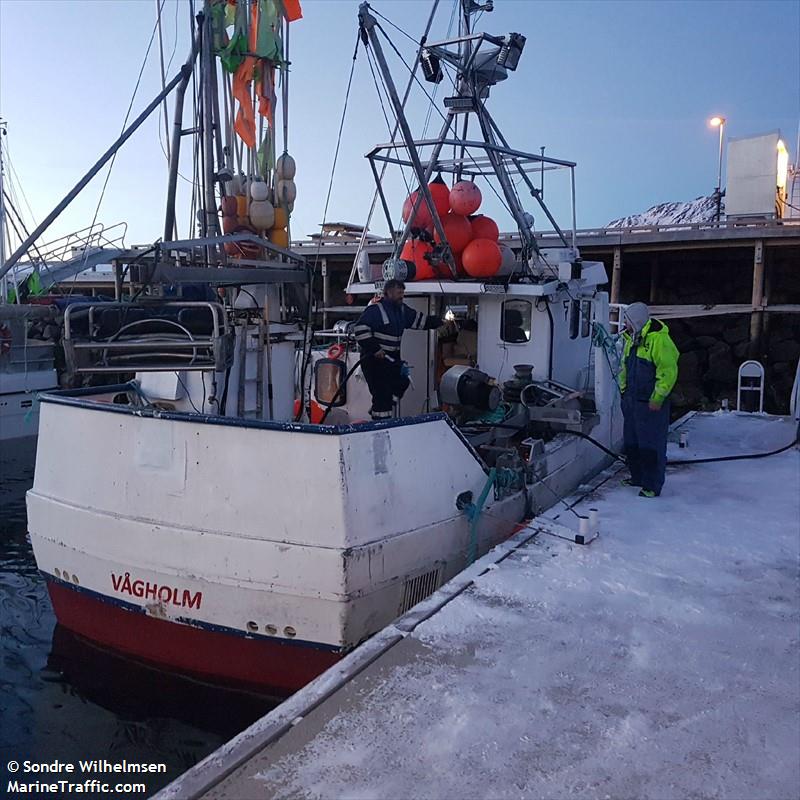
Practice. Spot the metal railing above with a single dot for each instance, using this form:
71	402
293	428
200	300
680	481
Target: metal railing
598	232
616	314
81	243
130	348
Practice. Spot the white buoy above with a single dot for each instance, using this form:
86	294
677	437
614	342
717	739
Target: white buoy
285	192
262	214
285	167
509	264
259	190
585	527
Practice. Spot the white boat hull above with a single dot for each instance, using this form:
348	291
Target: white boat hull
291	544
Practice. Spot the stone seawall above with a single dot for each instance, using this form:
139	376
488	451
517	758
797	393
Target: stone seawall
712	348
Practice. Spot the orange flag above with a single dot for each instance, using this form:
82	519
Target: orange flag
245	124
292	10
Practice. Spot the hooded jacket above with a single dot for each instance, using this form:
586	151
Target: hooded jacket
649	370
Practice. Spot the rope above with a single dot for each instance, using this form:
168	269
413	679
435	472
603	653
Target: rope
473	513
603	339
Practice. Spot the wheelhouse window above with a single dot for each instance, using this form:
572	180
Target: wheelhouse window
515	321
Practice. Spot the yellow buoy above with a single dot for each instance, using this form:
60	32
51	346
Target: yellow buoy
281	218
279	237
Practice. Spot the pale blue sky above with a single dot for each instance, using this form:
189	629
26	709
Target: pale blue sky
623	88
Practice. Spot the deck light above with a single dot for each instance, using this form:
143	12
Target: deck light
783	164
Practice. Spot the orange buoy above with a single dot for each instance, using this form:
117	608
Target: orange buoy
422	217
484	228
460	271
482	258
229	206
458	231
243	249
317	412
465	198
241	206
415	251
440	192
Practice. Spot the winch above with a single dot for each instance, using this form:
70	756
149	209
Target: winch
469	387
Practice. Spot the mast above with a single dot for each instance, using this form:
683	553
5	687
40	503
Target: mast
207	63
368	23
480	61
3	279
177	133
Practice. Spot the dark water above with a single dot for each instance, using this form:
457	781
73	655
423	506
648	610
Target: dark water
62	698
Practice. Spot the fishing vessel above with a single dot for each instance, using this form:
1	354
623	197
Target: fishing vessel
26	364
31	314
230	513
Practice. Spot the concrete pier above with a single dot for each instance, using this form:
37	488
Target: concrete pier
660	661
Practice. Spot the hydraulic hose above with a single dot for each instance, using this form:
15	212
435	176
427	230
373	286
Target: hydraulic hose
783	449
621	458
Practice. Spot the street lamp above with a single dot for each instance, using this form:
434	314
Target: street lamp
719	122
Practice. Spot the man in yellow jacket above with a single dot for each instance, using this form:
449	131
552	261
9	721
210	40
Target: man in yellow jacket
649	371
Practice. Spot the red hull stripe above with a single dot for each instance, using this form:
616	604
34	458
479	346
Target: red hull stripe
196	648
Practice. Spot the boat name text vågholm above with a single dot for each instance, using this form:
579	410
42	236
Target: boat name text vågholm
152	591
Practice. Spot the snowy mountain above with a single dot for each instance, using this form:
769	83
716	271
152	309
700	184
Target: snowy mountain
701	209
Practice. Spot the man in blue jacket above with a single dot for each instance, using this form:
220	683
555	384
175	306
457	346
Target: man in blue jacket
379	332
649	371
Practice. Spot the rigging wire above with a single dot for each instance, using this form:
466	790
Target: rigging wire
159	8
393	137
124	124
34	246
383	109
17	181
164	149
396	27
389	127
453	80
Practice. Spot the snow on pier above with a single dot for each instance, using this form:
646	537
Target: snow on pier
661	661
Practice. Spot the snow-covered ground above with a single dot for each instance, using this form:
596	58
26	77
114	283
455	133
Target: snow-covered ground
661	661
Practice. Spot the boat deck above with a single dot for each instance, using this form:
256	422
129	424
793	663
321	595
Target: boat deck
660	661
